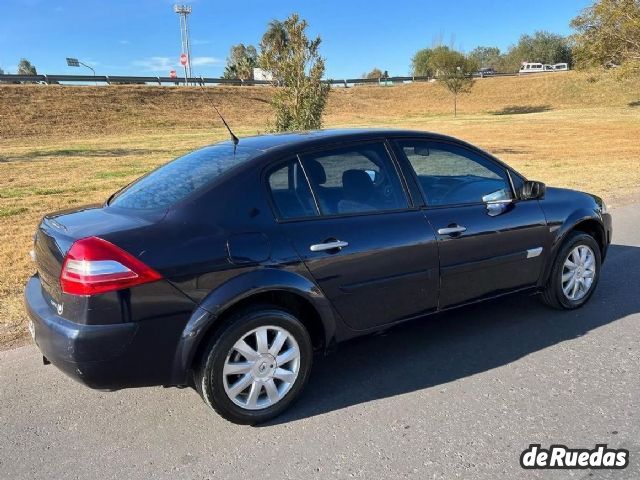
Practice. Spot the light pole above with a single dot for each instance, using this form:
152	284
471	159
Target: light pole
183	12
74	62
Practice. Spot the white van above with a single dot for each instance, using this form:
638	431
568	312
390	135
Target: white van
528	67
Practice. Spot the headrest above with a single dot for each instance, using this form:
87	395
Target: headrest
357	184
315	171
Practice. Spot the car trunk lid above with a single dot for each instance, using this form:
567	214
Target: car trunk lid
58	231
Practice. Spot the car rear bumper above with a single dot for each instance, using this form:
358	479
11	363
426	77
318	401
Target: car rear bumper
106	357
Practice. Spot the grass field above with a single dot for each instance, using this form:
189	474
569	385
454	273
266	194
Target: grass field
67	146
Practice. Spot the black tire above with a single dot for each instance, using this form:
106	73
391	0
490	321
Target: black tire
209	379
553	295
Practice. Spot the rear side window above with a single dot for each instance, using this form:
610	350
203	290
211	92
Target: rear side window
290	192
354	179
178	179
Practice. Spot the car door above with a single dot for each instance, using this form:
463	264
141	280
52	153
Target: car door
373	255
489	242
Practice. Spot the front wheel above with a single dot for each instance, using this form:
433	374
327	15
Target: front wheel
574	274
256	365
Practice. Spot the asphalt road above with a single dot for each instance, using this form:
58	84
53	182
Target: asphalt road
455	396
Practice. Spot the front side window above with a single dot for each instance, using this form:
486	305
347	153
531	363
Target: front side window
452	175
354	179
290	192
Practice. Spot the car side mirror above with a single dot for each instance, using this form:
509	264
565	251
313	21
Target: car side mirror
532	190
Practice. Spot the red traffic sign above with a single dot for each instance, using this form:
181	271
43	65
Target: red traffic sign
183	59
173	74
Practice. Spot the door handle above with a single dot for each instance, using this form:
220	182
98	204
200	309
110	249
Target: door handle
452	230
321	247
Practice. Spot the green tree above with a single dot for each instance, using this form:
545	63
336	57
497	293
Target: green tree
487	57
297	68
240	62
230	72
375	73
454	71
276	38
420	63
25	67
276	35
543	47
608	33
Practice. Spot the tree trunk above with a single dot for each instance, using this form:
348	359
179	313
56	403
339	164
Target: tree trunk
455	105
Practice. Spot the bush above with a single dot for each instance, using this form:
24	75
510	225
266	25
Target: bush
297	69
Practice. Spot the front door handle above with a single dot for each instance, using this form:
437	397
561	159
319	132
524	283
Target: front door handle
332	245
452	230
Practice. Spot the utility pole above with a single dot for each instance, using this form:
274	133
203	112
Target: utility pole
183	11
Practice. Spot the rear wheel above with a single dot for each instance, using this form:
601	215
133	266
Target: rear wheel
574	274
256	365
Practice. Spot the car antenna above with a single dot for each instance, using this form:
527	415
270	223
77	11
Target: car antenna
234	139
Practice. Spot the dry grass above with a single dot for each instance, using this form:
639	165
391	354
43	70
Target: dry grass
53	111
64	146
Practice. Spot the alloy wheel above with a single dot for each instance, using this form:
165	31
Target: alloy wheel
261	367
578	272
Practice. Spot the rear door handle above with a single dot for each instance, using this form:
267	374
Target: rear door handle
321	247
452	230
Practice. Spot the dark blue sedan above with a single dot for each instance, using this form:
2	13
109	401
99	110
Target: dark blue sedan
228	267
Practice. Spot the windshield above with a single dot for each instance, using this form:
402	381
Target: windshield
177	179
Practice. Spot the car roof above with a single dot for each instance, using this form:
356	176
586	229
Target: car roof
296	141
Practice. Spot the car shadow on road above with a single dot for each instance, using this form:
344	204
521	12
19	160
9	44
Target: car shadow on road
443	348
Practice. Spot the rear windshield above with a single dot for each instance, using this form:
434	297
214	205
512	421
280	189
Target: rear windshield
177	179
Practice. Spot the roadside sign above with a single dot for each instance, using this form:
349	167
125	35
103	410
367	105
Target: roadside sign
183	59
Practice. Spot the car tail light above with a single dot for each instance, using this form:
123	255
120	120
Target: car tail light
93	266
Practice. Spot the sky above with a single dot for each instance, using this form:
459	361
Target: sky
142	37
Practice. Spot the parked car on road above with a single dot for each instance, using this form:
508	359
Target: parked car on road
528	67
227	268
486	72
